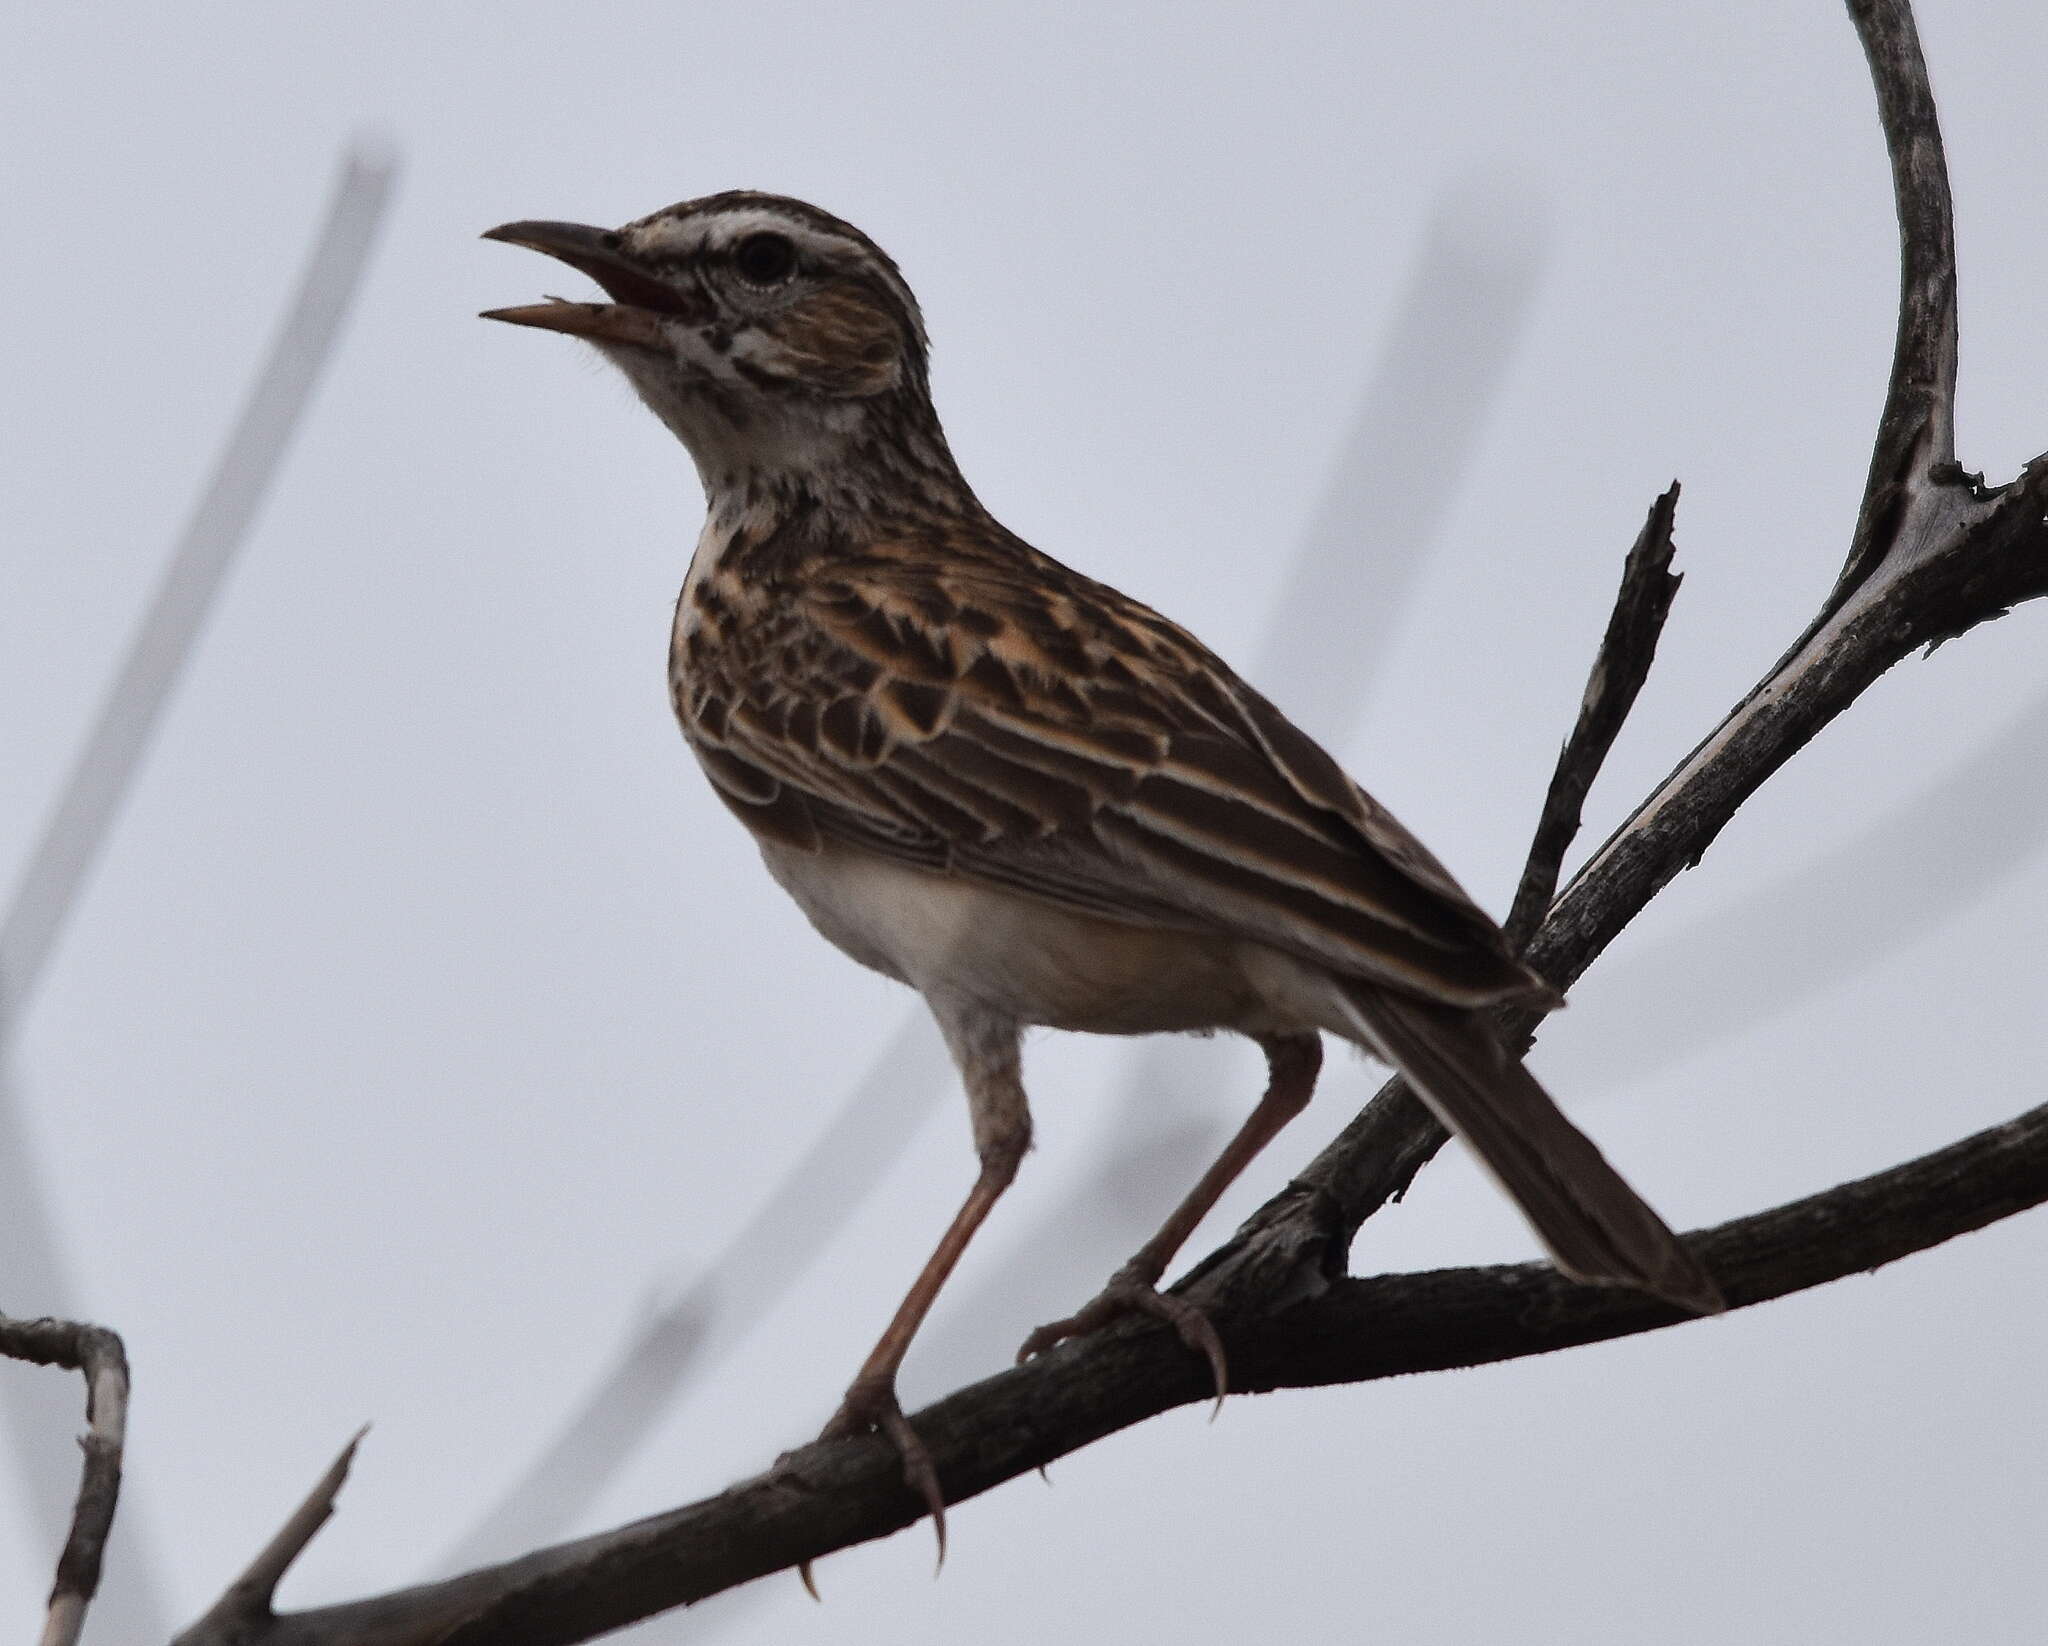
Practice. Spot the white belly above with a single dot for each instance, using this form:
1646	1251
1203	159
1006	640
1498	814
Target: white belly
1031	961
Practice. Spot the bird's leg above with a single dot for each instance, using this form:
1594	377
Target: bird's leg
987	1052
1293	1061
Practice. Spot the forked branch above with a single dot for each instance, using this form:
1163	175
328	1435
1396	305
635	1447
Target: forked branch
1934	553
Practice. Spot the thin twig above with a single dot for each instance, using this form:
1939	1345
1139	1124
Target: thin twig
97	1353
245	1608
1648	586
1299	1241
1916	432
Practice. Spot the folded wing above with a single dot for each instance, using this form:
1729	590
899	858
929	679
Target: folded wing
1018	724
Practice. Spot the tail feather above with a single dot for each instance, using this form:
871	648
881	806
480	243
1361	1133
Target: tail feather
1595	1227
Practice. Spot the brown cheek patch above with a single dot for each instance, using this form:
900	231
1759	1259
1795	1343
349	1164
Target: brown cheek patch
845	344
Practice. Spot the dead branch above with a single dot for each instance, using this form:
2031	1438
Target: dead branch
244	1610
827	1497
1627	649
97	1353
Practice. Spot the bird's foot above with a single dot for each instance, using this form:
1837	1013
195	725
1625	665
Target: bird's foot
870	1407
1132	1291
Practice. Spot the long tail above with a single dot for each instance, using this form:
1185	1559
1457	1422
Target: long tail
1595	1227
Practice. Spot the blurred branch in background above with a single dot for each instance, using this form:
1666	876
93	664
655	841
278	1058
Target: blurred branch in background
758	1266
1402	464
1865	902
32	1264
105	770
1398	472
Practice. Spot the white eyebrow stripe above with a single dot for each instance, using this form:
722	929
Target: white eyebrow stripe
714	231
695	228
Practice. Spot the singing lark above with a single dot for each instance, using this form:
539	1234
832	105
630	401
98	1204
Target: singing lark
1026	795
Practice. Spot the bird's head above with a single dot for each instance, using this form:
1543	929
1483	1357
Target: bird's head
772	337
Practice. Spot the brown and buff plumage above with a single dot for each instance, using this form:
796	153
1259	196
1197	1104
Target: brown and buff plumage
1030	797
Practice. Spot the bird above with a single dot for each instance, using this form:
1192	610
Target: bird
1025	794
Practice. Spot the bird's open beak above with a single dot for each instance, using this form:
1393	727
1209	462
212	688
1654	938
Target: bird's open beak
638	296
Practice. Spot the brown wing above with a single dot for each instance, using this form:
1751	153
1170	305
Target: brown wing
1018	724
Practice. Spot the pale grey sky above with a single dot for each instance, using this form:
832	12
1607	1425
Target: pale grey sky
427	1013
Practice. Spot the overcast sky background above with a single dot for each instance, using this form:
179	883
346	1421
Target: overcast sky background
428	1015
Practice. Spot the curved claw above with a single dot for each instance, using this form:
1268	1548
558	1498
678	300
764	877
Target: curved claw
871	1407
1129	1295
918	1472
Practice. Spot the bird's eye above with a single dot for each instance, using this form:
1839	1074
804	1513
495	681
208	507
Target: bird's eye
765	259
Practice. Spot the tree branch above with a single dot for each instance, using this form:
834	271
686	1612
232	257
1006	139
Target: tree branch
97	1353
830	1496
1648	586
1916	432
244	1611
